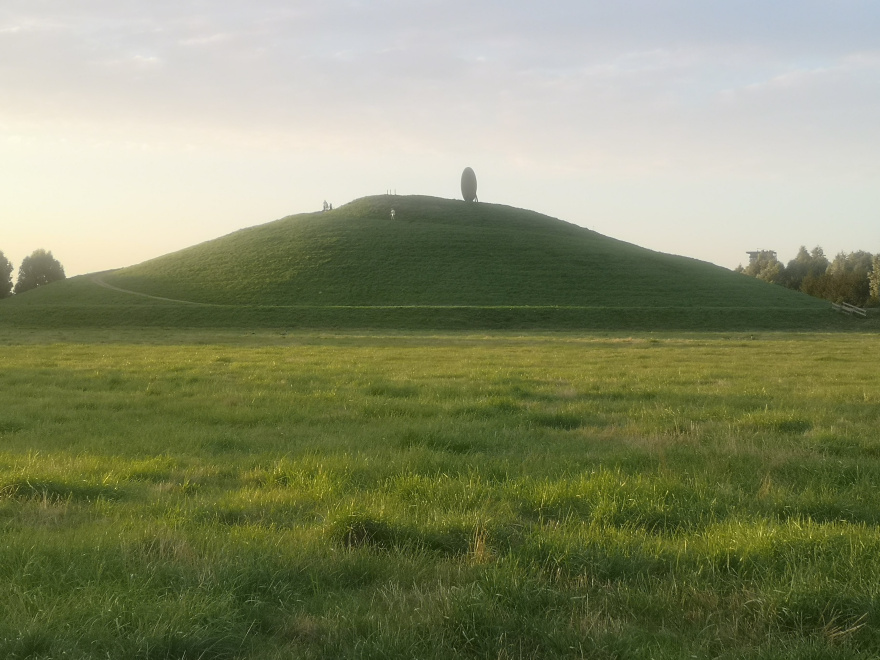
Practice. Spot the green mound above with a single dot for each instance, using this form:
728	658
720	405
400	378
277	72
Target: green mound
437	252
435	264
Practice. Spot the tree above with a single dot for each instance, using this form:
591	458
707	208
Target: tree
852	277
851	263
805	264
5	276
874	278
848	278
38	269
765	267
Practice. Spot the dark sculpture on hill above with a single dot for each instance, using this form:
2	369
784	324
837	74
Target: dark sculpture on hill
469	185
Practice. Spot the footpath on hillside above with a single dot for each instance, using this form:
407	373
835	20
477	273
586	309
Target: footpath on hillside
97	279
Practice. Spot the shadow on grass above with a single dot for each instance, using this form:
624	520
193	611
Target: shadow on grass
359	530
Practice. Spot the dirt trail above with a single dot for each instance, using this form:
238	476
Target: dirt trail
97	279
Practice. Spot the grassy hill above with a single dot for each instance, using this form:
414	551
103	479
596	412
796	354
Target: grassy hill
437	252
438	263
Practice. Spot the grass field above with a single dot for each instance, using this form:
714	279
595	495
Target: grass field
204	494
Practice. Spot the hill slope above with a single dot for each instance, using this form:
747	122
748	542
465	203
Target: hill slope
437	263
437	252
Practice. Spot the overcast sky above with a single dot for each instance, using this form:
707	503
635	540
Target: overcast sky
133	128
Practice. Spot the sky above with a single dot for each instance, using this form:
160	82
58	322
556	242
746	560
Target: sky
133	128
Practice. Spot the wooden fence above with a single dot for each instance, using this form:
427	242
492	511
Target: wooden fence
846	308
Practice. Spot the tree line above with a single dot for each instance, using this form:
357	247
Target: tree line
852	277
37	269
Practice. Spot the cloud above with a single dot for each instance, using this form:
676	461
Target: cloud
207	40
626	86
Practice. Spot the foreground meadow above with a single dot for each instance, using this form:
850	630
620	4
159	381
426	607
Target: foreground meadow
222	495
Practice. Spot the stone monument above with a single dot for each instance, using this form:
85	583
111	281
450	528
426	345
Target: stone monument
469	185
